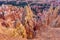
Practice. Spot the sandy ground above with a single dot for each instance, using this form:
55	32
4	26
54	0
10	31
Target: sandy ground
44	34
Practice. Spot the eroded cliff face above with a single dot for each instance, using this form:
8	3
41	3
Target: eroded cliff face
18	23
